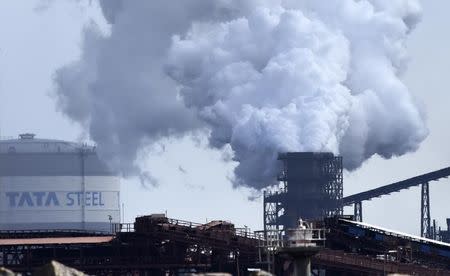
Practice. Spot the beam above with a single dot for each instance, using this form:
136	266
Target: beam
395	187
358	211
425	220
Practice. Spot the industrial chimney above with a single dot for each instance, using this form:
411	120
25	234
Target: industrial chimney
311	189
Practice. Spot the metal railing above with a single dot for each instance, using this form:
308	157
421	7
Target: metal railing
273	240
269	244
241	232
122	227
277	192
184	223
309	237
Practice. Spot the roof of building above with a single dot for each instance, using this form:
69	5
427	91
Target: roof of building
27	143
29	156
59	240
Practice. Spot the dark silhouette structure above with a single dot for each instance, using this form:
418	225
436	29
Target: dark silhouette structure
423	180
312	189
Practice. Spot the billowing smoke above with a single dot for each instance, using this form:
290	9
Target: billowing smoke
262	76
118	89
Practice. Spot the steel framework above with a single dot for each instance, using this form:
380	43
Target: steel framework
396	187
163	246
311	188
423	180
358	213
425	220
154	246
444	235
366	239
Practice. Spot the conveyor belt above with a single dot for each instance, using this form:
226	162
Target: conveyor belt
395	187
402	235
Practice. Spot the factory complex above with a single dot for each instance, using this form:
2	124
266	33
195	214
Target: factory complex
55	185
59	201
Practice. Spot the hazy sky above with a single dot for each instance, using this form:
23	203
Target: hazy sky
194	183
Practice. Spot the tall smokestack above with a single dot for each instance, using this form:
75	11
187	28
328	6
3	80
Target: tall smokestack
312	189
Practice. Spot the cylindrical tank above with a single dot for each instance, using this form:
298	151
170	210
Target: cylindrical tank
55	185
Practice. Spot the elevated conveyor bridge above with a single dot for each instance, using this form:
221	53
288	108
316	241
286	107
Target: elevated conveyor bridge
422	180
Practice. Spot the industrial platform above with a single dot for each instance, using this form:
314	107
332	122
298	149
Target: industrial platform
156	245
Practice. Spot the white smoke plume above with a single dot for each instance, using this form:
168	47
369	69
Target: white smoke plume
262	76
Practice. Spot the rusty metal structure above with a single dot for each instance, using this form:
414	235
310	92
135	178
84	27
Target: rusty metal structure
312	188
444	235
355	248
153	245
411	254
156	245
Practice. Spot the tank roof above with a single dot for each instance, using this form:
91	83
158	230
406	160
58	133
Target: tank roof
27	143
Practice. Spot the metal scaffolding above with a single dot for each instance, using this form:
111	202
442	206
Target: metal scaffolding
311	188
426	230
358	214
425	220
156	245
153	245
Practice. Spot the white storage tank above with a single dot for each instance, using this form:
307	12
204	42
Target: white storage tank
52	184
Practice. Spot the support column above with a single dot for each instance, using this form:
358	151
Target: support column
83	186
425	221
301	259
358	211
302	266
264	215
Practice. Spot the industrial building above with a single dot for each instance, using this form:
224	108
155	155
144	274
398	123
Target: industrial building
157	245
55	185
312	188
60	202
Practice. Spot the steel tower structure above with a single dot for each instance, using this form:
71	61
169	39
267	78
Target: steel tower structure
312	188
